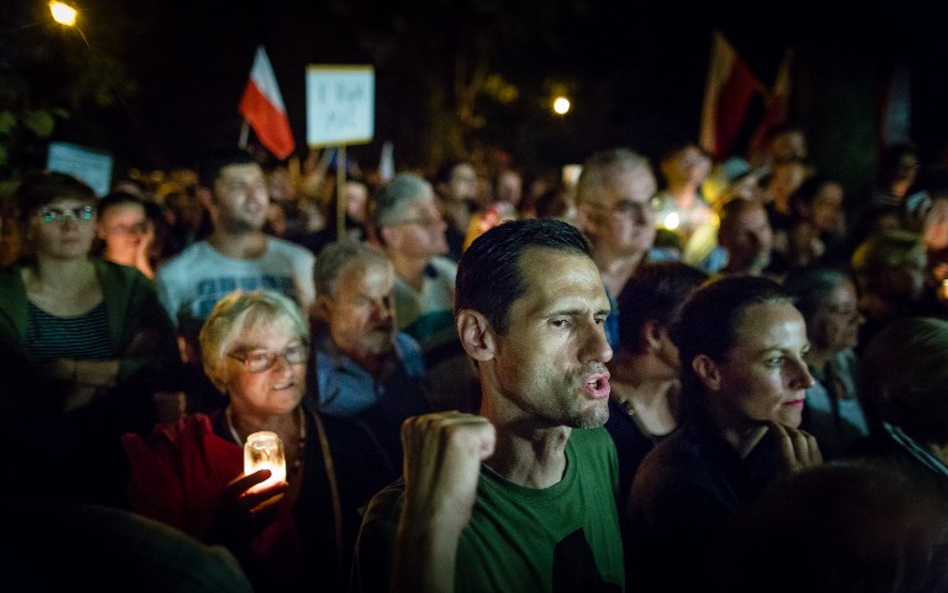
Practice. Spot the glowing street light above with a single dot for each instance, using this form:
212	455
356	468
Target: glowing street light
63	13
561	105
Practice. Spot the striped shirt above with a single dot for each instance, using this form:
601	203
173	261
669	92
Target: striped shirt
84	337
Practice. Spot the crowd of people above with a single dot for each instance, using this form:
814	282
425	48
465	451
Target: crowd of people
723	375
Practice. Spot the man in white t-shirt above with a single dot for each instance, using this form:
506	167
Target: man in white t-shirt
237	255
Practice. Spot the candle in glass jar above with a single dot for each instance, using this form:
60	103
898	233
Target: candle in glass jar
264	450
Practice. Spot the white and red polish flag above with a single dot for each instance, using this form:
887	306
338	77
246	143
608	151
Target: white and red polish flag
728	92
262	107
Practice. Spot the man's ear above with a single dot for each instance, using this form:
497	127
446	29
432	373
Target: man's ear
389	236
707	370
321	307
585	219
205	196
477	335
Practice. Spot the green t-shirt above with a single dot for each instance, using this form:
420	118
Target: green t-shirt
562	538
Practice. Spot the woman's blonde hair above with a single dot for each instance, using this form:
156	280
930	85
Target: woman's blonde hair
235	315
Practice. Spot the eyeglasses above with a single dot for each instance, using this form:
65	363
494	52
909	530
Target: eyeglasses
79	213
628	207
257	361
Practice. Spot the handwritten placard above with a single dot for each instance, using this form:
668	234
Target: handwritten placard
340	105
86	164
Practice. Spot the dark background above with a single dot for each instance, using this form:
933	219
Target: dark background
163	77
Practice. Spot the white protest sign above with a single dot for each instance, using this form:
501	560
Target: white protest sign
86	164
340	105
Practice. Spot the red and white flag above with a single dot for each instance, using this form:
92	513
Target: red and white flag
729	89
776	110
262	107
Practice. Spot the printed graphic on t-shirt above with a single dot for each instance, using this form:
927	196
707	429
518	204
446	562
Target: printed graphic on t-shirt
211	290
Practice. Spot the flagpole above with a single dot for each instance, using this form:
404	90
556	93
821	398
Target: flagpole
244	132
340	193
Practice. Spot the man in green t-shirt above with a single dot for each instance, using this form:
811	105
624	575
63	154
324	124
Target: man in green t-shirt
514	499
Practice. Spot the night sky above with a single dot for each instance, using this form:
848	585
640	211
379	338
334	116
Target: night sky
636	74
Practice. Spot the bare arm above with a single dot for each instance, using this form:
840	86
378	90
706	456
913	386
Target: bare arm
86	379
443	455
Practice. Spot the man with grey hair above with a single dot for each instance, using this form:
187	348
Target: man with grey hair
614	203
363	366
409	227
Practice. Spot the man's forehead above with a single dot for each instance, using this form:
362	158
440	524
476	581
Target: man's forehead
636	185
547	270
463	170
241	171
359	270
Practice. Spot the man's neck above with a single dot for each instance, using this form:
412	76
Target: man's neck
410	269
525	454
372	363
247	245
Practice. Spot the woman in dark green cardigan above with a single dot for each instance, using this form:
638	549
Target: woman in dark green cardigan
84	346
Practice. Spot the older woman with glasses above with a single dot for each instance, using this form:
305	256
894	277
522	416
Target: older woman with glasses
86	343
289	536
833	412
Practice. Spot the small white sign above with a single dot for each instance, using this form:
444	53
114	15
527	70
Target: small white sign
340	105
86	164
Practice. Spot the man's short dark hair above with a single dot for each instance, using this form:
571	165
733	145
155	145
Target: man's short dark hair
212	164
489	277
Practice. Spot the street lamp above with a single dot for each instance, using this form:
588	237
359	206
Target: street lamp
63	13
561	105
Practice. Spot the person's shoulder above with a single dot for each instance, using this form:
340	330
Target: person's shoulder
11	278
676	451
386	505
198	251
125	274
289	248
407	345
444	266
196	425
110	549
593	443
12	270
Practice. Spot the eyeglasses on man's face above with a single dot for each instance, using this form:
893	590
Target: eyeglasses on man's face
50	215
258	360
